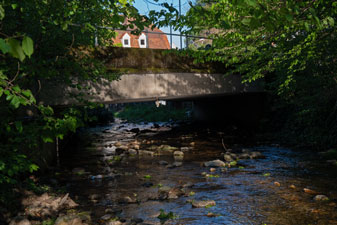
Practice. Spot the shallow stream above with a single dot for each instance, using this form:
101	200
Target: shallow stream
113	182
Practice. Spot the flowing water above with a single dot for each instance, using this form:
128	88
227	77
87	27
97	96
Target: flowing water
107	181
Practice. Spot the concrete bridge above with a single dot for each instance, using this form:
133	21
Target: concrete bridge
162	75
150	87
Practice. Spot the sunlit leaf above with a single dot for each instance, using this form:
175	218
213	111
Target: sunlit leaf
16	49
28	46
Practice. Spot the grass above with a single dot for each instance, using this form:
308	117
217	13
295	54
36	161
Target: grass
151	113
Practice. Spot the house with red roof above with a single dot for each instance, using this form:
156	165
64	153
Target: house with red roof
149	38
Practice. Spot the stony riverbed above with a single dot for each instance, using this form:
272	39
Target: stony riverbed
168	174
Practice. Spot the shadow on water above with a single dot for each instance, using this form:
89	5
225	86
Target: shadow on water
256	191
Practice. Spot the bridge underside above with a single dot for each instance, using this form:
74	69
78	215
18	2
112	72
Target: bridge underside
150	87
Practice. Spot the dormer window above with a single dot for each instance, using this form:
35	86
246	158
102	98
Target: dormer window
126	40
142	41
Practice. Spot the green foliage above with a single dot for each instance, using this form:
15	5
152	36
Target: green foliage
151	113
291	44
48	40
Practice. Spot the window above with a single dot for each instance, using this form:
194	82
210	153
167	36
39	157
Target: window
126	40
142	41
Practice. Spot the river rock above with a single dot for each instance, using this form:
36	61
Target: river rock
144	153
174	165
321	198
169	193
128	200
203	204
228	158
215	163
19	221
178	155
256	155
132	152
244	156
165	150
69	220
163	163
309	191
106	217
185	149
114	223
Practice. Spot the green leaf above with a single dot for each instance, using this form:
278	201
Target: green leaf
16	88
14	6
289	17
18	126
47	139
2	12
15	49
246	21
1	91
15	102
33	168
27	93
251	3
4	46
28	46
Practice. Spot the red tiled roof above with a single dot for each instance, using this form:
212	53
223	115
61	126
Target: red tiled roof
155	41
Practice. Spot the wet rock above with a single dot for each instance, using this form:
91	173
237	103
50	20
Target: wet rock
321	198
132	152
114	223
163	163
203	204
118	144
277	184
169	193
165	150
309	191
128	200
144	153
106	217
244	150
256	155
228	158
188	185
19	221
215	163
185	149
178	155
174	165
292	186
69	220
224	170
212	169
234	156
244	156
